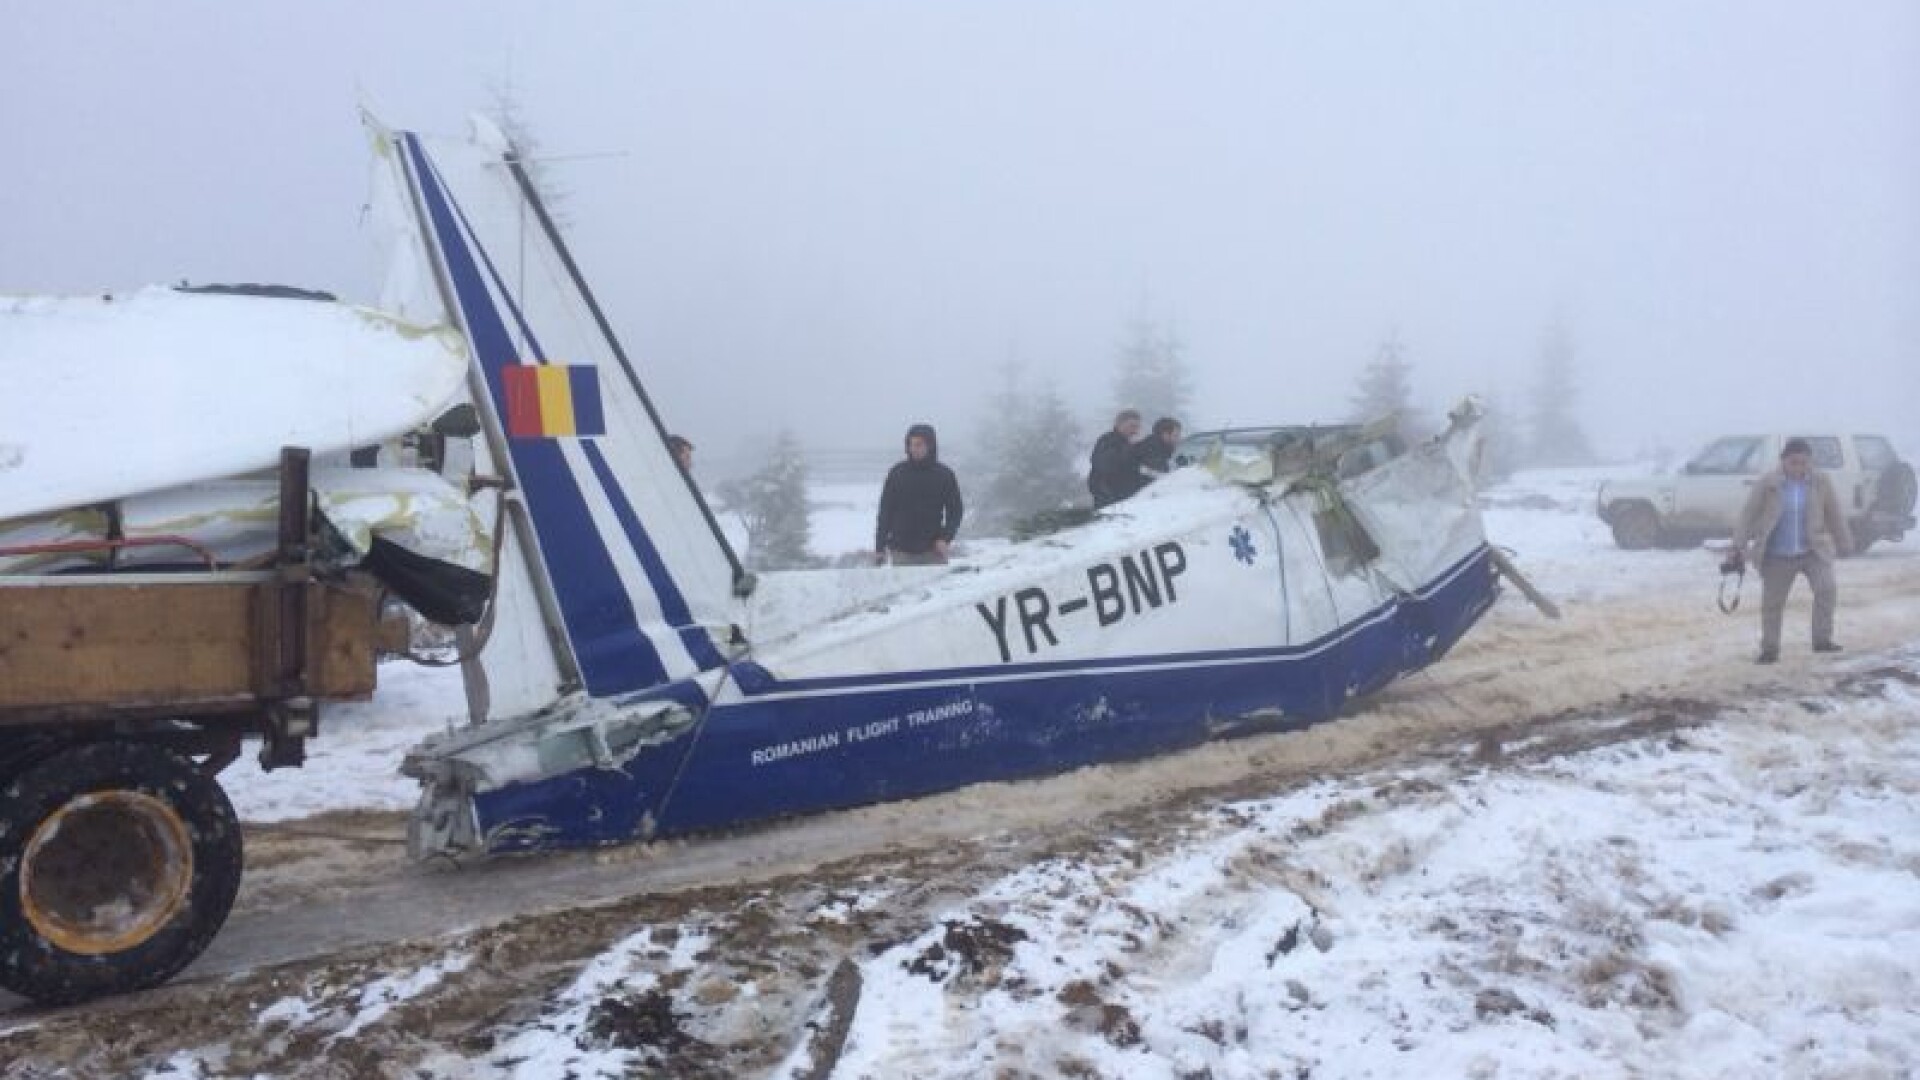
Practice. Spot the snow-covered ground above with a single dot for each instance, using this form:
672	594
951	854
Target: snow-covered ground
1734	902
1726	887
353	765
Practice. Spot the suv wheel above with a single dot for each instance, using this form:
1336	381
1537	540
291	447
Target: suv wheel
1894	494
1635	527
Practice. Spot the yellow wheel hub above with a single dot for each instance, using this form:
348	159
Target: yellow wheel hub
105	872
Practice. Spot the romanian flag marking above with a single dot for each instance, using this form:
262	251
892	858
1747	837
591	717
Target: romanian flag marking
547	401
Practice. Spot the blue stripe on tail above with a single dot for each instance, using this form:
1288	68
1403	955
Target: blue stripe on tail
672	604
588	417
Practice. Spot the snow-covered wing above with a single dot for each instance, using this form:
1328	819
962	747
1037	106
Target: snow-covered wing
110	396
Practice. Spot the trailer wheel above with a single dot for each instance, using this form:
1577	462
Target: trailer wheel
119	861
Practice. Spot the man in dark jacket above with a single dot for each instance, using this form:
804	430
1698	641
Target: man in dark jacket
919	505
1115	474
1153	455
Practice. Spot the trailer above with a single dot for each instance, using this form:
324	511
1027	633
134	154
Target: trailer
122	697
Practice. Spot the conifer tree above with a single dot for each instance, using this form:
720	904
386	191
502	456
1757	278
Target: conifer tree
773	504
1030	444
1504	441
1385	384
1555	436
1385	387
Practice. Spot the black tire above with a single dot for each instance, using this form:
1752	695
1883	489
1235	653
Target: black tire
1635	526
119	862
1896	491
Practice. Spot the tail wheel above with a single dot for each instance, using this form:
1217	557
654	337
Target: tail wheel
118	864
1635	527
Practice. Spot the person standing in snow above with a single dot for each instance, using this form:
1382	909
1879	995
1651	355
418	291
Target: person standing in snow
1153	455
920	506
1792	524
1113	473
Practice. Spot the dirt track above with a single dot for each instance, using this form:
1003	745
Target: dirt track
330	902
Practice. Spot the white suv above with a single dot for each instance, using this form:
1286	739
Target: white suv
1704	498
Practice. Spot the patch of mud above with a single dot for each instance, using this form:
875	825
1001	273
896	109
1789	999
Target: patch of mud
647	1022
975	949
1089	1011
1499	1002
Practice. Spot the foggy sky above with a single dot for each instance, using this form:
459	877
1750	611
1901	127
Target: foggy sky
847	216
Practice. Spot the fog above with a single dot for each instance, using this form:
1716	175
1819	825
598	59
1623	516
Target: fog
843	217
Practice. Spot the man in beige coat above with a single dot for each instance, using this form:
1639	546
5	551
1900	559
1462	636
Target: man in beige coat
1792	525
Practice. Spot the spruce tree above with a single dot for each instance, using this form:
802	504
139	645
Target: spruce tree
773	504
1029	465
1385	384
1504	442
1556	438
1385	387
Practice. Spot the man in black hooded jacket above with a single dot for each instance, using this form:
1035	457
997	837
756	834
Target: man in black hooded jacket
1153	455
919	505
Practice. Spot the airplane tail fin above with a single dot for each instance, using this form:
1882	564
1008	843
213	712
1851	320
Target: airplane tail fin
611	548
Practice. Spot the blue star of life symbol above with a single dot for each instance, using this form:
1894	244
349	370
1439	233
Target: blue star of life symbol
1242	543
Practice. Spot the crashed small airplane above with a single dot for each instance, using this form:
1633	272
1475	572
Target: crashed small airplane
632	680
